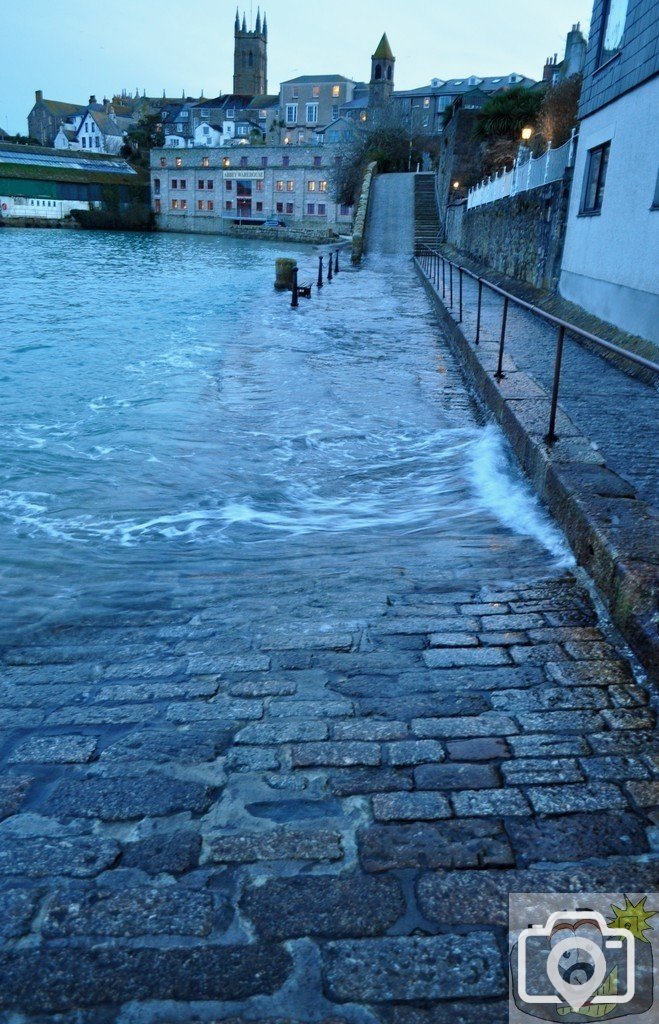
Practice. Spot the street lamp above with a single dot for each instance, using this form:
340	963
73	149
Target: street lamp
527	133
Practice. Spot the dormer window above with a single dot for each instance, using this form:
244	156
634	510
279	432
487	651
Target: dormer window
231	113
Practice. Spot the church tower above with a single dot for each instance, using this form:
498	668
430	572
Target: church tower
250	63
382	74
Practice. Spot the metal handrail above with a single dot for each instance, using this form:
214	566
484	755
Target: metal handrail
429	261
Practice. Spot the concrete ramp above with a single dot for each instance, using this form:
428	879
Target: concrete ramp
390	228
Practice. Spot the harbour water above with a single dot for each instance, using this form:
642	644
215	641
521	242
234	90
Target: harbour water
169	425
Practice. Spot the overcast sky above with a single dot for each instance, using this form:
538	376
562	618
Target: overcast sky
72	48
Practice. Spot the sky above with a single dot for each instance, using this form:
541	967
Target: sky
73	48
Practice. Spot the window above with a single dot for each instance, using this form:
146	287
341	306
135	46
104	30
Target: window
296	92
200	184
174	204
613	29
322	210
286	162
378	72
344	210
264	161
205	162
205	113
243	161
156	185
289	207
311	208
336	91
242	130
263	114
228	186
183	183
316	91
312	113
290	186
593	190
231	114
259	184
174	182
184	204
184	114
280	207
200	204
210	183
163	161
178	161
318	161
311	187
322	186
279	186
84	142
426	102
210	205
335	113
259	207
158	206
291	113
229	204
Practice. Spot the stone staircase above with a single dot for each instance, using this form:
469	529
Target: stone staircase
426	216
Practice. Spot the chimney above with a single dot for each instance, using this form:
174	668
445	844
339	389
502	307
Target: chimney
92	99
39	95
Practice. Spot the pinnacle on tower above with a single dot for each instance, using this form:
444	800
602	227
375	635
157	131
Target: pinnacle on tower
257	27
237	20
384	51
244	24
265	25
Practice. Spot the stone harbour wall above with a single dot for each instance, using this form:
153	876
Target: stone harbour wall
521	236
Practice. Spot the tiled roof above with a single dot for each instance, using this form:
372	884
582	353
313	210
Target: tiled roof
316	80
63	109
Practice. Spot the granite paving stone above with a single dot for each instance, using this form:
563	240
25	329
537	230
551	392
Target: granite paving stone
335	755
451	844
164	853
591	797
507	802
323	906
276	844
128	797
55	750
577	837
131	913
410	807
13	790
408	969
456	776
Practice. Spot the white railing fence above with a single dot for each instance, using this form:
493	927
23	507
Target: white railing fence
527	173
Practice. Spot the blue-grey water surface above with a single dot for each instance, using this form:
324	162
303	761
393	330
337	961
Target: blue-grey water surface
169	424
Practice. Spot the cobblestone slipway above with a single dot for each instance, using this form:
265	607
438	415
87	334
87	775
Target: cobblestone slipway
256	803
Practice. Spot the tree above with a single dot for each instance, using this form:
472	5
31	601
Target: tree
499	125
145	136
558	115
390	138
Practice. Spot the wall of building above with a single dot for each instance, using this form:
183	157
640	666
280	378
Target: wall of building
207	190
521	236
459	158
454	223
611	260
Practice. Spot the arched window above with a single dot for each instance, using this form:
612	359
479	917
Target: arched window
390	73
378	72
251	59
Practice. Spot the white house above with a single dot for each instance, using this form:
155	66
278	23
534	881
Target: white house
102	132
611	258
209	135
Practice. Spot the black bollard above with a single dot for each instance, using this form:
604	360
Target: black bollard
336	265
330	272
295	302
320	272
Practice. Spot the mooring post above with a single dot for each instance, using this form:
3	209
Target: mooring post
295	302
320	272
336	264
330	272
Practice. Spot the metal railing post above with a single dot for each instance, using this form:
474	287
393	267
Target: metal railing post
330	272
552	435
480	309
320	272
443	278
336	264
504	322
450	274
295	301
460	293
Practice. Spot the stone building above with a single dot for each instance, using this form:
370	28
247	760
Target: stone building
611	257
311	102
46	116
214	190
426	107
381	88
250	62
573	62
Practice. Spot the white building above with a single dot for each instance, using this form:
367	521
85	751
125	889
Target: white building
611	259
102	132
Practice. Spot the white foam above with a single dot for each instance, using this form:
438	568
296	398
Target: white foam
510	499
